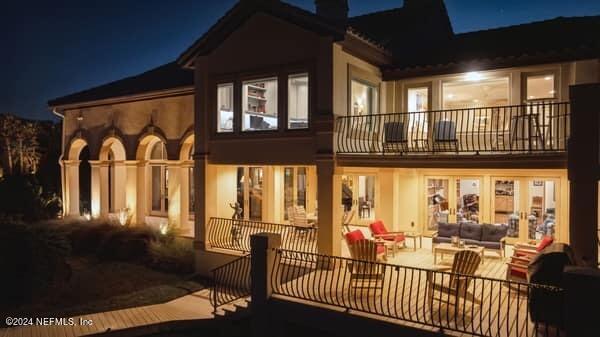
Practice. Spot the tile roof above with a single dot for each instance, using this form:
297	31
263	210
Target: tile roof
167	76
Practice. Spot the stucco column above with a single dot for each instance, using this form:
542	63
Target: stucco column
104	191
119	182
95	188
131	189
71	197
329	229
200	212
184	216
174	194
584	172
142	198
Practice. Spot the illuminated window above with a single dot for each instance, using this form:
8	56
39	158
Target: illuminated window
472	91
364	98
225	107
298	101
160	178
541	86
259	105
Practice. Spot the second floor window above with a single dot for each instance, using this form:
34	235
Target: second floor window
364	98
540	87
259	105
225	107
298	101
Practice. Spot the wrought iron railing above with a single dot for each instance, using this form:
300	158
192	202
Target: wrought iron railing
527	128
235	234
231	281
441	300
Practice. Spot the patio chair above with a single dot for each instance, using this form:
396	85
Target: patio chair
517	266
394	137
378	231
444	136
365	272
450	288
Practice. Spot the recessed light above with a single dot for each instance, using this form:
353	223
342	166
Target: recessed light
552	92
548	78
473	76
476	100
531	97
450	96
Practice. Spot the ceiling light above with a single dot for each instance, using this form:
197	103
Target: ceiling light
531	97
476	100
548	78
552	92
473	76
450	96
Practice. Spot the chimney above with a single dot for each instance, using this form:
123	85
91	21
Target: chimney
333	10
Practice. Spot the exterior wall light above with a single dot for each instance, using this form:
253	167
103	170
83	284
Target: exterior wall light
473	76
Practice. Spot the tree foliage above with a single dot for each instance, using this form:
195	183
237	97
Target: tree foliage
20	145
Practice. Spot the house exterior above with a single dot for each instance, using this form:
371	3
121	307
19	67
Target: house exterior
388	115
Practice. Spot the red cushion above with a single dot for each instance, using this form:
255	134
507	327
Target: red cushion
395	238
377	227
355	235
380	249
546	241
518	272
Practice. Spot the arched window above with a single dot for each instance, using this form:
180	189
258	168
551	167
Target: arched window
192	199
160	179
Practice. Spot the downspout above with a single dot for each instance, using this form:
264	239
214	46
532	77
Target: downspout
60	160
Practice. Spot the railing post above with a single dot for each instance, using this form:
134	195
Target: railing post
263	249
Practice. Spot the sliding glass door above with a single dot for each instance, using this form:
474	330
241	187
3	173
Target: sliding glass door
250	192
358	197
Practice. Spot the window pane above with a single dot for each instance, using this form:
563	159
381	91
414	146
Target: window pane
475	91
301	187
260	105
255	193
240	191
541	87
225	107
165	190
288	190
506	205
159	151
156	185
542	209
418	99
467	202
437	202
364	99
191	190
298	101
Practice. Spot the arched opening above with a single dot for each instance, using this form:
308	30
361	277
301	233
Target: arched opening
112	176
159	182
77	179
186	156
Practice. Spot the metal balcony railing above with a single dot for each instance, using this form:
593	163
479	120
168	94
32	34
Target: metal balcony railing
231	282
516	129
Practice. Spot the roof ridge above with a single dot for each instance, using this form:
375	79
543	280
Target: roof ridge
555	19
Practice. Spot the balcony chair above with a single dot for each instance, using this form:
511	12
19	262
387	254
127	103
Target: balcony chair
364	270
379	232
444	137
450	288
394	138
300	220
516	268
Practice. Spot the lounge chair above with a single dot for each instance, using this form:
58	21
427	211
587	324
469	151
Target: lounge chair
365	272
378	231
444	136
394	137
516	268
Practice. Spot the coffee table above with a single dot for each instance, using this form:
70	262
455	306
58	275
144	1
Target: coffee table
415	236
448	248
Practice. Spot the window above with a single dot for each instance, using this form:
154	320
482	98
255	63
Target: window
225	107
192	199
474	90
364	98
160	178
259	105
540	87
298	101
418	99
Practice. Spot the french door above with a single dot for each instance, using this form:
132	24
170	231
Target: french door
294	191
358	196
529	205
452	199
250	192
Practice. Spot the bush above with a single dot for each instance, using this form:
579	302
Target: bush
33	258
174	256
22	197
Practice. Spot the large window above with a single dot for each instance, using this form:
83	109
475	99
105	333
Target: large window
540	87
298	101
160	178
259	105
225	107
475	90
364	98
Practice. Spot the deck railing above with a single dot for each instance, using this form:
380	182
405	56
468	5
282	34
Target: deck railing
231	282
475	305
517	129
235	234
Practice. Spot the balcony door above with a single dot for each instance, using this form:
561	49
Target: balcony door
452	199
295	184
250	192
358	196
529	206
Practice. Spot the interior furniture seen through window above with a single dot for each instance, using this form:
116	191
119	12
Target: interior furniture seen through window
474	90
298	101
540	87
259	105
225	107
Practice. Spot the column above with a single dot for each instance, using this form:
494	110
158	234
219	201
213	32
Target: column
584	172
104	190
131	190
95	188
71	168
119	181
329	222
174	191
184	217
141	197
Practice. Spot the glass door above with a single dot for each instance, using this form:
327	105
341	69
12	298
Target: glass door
468	191
250	192
507	205
437	191
358	196
294	188
542	201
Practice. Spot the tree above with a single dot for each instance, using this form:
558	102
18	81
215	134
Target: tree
8	123
20	144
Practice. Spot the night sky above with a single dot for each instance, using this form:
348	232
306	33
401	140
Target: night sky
55	48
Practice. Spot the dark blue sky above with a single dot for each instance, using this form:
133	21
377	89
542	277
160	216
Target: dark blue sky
54	48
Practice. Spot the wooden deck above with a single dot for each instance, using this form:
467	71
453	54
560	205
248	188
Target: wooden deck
191	307
401	295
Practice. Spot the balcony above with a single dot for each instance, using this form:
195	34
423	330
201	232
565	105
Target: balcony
531	128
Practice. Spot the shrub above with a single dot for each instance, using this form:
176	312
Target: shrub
22	197
174	256
33	258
